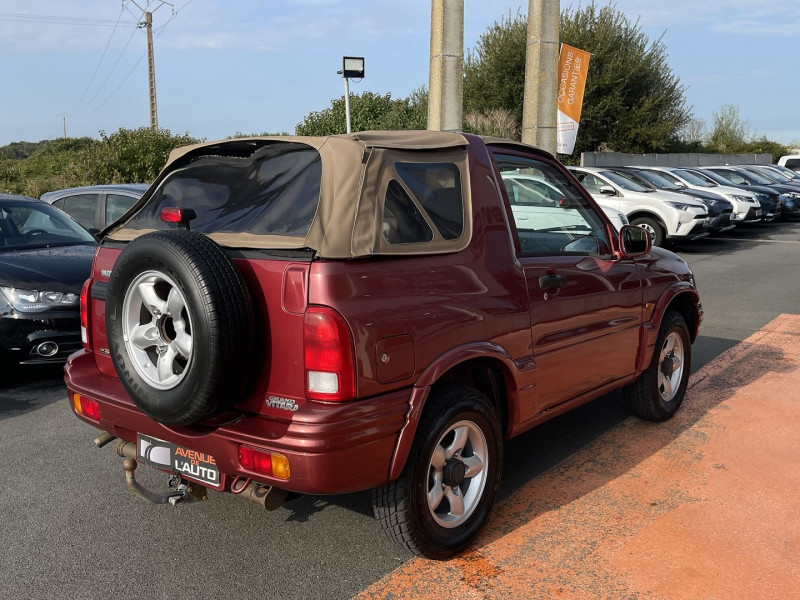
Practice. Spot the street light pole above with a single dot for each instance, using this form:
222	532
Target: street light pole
347	103
352	66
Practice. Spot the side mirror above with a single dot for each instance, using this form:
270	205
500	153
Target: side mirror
635	241
607	190
681	185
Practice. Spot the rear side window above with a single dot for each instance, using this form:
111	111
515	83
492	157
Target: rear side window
402	221
435	201
438	188
81	207
116	206
275	191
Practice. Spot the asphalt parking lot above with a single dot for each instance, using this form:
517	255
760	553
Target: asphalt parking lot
70	528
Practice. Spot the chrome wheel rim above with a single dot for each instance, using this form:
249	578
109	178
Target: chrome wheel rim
457	474
157	330
670	366
649	229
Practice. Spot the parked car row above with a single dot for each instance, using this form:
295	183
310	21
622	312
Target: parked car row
682	204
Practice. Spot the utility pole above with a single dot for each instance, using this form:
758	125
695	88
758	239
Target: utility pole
446	86
540	104
64	117
151	66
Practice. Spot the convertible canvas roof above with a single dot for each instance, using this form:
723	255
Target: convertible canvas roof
355	171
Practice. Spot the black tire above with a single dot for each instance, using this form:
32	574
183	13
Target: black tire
654	227
402	506
180	291
659	391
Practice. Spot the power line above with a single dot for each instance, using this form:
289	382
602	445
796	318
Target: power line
57	20
159	31
114	66
105	50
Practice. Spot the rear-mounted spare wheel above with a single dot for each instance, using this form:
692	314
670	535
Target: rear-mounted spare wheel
180	326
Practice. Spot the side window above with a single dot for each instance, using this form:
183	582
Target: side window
591	183
81	207
402	221
435	199
551	214
116	206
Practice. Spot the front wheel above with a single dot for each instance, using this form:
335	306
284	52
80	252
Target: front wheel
451	477
658	393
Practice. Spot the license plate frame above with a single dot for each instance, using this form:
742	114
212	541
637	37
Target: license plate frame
178	459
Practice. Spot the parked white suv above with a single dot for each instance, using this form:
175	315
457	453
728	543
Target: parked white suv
541	204
791	161
746	207
666	215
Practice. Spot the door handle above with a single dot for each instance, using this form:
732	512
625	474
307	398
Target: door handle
552	282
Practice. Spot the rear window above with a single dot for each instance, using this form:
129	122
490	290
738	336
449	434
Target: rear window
275	191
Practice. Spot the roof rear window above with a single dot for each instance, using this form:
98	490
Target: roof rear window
275	191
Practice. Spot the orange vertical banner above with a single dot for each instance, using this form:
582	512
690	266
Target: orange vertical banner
573	64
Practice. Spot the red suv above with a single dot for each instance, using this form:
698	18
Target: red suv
324	315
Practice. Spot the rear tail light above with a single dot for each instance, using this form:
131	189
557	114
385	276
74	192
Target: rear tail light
85	314
262	461
329	362
86	407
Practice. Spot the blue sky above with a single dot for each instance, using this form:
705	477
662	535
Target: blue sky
227	66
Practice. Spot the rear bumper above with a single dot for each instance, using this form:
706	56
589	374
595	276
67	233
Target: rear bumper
332	448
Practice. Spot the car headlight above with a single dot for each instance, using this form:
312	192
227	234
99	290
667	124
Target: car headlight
32	301
741	198
679	205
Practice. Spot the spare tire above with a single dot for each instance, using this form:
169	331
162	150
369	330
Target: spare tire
180	326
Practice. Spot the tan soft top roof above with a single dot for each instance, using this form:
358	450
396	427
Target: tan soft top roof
408	140
347	223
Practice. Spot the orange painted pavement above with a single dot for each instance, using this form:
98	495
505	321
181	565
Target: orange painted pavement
705	506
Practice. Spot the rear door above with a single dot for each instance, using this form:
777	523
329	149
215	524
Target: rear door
585	305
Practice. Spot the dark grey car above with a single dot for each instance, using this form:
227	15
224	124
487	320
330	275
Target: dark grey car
96	206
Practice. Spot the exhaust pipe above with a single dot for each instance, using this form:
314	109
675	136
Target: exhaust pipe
103	439
266	497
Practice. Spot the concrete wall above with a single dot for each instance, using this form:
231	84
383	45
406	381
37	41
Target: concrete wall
685	159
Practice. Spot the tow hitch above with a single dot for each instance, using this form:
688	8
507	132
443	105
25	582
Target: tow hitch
267	497
184	491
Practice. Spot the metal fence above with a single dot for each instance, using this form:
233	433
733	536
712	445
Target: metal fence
678	159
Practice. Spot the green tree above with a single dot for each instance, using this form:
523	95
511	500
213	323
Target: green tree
632	102
131	155
729	132
494	71
368	111
50	165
